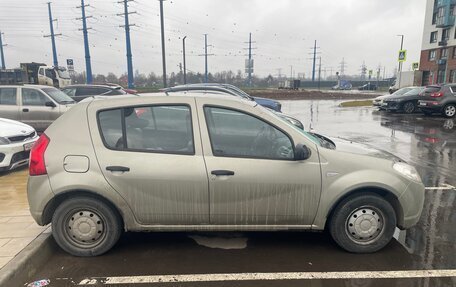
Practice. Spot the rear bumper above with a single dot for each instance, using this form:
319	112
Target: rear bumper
430	106
39	195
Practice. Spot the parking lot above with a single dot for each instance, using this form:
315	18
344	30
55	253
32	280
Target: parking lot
295	258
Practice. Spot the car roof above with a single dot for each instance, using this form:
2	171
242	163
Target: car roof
27	86
176	95
92	86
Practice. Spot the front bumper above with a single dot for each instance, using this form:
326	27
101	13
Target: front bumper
412	201
391	106
15	155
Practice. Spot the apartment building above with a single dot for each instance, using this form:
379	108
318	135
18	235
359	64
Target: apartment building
438	49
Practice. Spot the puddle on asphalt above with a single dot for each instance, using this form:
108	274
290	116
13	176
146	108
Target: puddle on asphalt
231	241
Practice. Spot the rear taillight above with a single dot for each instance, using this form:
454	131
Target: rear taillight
437	95
37	165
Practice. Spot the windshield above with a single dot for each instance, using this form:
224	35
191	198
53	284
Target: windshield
414	92
58	96
239	91
63	73
402	91
310	136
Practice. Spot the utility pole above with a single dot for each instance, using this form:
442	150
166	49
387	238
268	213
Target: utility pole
162	23
52	35
205	57
314	54
183	55
363	71
249	65
279	71
86	42
343	65
319	72
2	55
314	58
291	72
400	63
127	25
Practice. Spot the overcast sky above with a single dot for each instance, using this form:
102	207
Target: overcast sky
283	31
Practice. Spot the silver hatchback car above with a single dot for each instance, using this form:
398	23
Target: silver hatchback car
194	163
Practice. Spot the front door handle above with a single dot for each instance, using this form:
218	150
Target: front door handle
118	168
222	172
25	110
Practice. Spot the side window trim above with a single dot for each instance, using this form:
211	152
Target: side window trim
252	115
124	129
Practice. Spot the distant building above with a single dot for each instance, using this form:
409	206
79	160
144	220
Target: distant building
438	50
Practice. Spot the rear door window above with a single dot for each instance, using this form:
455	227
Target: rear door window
8	96
32	97
162	129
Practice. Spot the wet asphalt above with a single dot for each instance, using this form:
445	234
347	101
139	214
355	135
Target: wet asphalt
429	143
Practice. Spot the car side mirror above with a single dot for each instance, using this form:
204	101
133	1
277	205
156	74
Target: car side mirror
50	104
302	152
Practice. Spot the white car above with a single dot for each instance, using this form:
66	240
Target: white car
16	140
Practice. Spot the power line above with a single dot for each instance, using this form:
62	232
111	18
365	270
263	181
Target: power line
343	66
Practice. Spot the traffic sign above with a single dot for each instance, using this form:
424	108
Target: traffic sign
415	66
402	55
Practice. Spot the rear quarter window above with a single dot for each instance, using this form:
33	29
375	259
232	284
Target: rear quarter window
8	96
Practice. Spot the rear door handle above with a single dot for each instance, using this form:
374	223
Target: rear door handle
222	172
25	110
118	168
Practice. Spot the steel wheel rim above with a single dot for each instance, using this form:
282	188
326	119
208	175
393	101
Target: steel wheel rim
450	111
409	107
365	225
84	228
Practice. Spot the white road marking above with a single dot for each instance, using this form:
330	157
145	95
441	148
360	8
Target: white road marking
443	187
268	276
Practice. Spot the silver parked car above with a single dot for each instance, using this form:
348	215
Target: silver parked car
182	163
35	105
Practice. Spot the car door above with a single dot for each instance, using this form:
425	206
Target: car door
156	163
253	178
33	110
9	107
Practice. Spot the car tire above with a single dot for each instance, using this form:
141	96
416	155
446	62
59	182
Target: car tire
363	223
85	226
449	111
408	107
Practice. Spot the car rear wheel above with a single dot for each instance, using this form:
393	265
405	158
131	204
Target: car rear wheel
408	107
449	111
363	223
84	226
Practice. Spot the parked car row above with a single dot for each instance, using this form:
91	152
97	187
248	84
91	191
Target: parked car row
433	99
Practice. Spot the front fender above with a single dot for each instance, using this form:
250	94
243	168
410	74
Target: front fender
336	187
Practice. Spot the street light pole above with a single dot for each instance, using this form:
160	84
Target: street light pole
183	54
400	63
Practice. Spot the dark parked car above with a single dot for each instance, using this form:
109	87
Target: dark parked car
80	92
368	87
407	102
439	99
226	88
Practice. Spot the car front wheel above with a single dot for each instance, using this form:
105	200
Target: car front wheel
363	223
85	226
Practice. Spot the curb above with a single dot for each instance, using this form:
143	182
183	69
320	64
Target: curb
26	262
